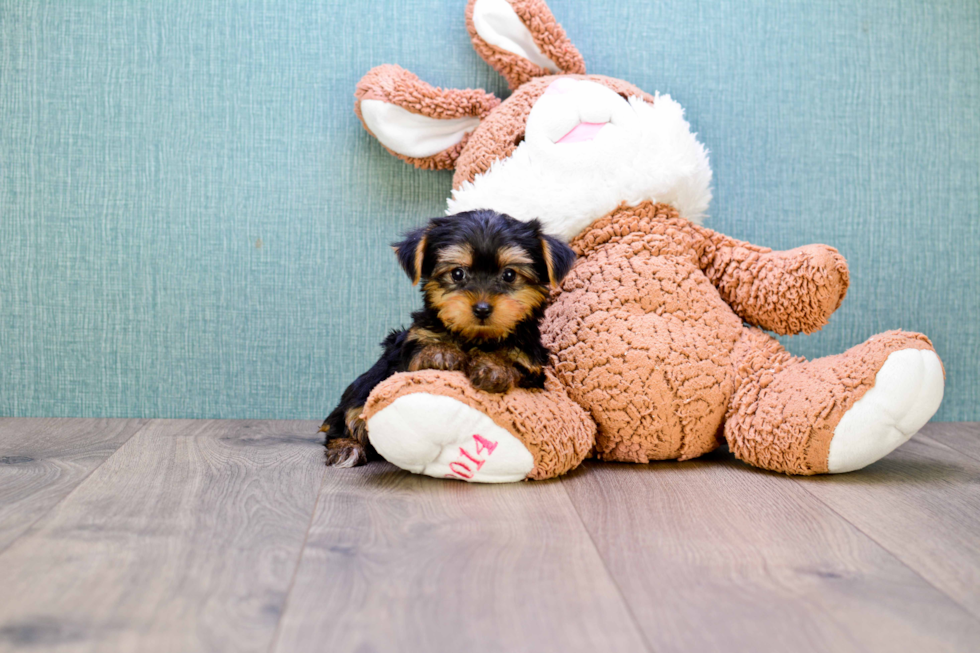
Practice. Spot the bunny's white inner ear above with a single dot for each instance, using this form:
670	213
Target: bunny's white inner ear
411	134
498	24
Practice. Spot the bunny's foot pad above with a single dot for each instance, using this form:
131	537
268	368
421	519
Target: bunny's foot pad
436	423
907	392
443	437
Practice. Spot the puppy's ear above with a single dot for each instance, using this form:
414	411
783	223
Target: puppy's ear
559	258
411	252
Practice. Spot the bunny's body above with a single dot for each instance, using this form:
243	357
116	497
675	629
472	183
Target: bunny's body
653	358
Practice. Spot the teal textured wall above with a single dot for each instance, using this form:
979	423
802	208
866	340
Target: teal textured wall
194	224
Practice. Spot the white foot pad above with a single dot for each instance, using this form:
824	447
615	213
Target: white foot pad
907	392
442	437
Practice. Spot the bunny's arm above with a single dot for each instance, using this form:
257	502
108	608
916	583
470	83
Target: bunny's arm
787	292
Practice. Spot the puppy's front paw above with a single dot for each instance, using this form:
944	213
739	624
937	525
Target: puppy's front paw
439	357
491	375
345	452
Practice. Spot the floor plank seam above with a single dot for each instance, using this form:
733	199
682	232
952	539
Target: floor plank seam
951	447
143	423
612	579
891	553
299	561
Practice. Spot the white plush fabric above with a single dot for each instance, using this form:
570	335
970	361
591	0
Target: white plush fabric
907	391
645	152
497	24
412	134
442	437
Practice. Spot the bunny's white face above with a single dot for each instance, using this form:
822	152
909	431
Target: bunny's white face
587	150
577	111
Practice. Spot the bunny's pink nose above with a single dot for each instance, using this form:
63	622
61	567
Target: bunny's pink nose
584	131
561	85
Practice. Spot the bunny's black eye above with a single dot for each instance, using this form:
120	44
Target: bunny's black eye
509	275
458	274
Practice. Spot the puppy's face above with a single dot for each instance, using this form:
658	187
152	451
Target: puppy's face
483	289
484	273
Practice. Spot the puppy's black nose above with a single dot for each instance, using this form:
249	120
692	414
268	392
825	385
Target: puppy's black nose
482	310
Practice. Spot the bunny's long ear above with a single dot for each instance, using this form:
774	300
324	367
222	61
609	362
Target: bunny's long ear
521	39
421	124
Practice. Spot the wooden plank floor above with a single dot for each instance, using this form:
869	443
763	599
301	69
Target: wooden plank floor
129	535
42	460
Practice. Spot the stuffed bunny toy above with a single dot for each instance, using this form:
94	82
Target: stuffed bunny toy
659	333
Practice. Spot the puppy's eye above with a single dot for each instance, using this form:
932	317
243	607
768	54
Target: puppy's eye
509	275
458	274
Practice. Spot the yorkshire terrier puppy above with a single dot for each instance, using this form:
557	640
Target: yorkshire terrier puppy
486	279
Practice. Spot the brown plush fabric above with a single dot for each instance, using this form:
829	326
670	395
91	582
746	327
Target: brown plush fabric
548	36
642	340
785	409
788	292
647	339
557	432
500	133
394	84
